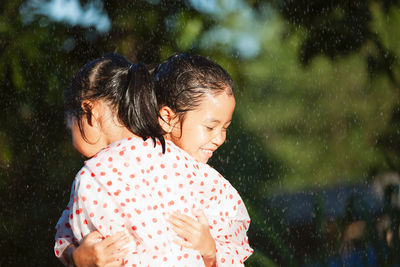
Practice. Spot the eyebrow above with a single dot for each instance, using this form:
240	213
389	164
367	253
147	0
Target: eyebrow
213	120
217	121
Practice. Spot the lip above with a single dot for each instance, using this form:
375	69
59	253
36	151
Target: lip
207	152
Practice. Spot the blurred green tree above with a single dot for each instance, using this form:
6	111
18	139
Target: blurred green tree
316	86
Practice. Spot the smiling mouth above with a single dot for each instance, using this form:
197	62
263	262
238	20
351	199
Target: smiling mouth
207	152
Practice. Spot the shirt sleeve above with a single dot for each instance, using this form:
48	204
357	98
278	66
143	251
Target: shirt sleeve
228	219
222	204
96	207
91	206
232	243
64	236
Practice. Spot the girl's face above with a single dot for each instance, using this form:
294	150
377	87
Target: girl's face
103	130
203	130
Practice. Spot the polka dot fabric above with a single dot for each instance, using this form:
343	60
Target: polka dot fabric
132	186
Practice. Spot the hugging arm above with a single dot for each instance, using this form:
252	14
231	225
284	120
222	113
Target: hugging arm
229	246
195	234
225	218
64	240
233	246
94	249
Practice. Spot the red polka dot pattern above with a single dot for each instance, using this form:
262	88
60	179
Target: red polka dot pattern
130	186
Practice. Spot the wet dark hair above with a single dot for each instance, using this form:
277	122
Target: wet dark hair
127	88
182	81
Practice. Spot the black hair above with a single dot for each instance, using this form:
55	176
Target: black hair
182	80
127	88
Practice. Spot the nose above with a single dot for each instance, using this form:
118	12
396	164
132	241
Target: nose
219	138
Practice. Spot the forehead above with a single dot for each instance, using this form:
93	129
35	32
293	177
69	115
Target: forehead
217	107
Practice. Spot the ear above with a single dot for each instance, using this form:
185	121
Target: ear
92	111
167	119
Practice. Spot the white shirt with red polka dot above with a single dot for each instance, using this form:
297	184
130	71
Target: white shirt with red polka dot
131	185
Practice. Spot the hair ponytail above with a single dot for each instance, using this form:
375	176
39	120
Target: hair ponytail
138	108
127	88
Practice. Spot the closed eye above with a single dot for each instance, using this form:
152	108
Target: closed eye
226	127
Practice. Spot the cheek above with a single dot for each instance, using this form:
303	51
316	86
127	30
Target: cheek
78	144
87	150
187	144
75	138
224	136
189	141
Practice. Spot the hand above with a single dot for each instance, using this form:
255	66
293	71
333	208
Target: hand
97	252
195	233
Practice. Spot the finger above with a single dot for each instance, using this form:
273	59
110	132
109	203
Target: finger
184	218
114	238
177	223
182	232
182	243
94	236
115	263
199	214
115	257
119	244
119	255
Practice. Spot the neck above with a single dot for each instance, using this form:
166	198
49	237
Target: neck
119	134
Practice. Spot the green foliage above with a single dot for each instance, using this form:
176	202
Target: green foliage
317	105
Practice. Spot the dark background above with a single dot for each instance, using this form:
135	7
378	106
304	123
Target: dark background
315	138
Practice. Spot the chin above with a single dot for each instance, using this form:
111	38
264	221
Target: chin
204	161
87	154
200	158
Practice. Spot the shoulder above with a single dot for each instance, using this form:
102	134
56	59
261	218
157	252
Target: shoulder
229	197
214	174
226	189
129	149
125	158
81	181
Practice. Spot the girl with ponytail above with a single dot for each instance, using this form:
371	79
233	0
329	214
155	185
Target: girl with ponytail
102	87
146	189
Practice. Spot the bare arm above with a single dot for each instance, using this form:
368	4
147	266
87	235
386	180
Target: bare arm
196	234
97	252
